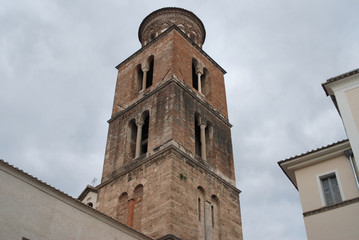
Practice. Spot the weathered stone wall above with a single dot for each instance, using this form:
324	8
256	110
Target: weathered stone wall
170	180
172	110
174	181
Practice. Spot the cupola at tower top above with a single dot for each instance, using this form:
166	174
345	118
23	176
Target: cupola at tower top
160	20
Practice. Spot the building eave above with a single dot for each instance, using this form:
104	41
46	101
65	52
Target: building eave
289	166
88	189
328	85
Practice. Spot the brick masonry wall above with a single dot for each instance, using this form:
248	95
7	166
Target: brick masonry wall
169	174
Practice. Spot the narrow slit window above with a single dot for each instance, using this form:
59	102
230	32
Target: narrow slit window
212	213
144	137
150	74
194	77
199	209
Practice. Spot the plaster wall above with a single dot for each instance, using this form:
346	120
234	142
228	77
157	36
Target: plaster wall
341	223
37	212
353	100
309	185
346	93
91	197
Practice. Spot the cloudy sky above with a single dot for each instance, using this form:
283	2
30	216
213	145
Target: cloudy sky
57	79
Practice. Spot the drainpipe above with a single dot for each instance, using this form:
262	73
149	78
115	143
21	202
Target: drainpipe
349	154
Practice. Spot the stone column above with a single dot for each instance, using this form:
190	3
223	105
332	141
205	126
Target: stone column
199	74
207	221
203	141
131	210
144	79
138	138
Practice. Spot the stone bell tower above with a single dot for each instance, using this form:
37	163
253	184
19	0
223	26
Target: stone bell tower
168	170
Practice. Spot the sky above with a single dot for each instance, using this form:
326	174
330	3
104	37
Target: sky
57	81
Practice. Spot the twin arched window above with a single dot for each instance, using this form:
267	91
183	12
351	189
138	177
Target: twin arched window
200	79
208	212
129	211
203	136
144	74
137	136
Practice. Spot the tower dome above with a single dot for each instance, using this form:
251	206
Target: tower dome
160	20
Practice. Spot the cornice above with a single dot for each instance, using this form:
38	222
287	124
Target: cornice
331	207
173	80
140	161
289	166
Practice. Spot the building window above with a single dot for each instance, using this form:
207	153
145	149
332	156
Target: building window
90	204
331	191
197	132
144	74
131	139
199	209
194	76
149	73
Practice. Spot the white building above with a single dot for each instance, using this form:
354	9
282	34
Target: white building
327	178
32	210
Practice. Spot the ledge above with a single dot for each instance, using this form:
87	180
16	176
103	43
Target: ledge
170	145
331	207
173	79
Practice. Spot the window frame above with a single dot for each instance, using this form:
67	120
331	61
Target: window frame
326	175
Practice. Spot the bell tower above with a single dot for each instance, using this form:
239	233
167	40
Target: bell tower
168	170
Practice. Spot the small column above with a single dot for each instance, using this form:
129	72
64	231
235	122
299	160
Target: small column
207	221
138	138
199	82
131	210
144	77
203	141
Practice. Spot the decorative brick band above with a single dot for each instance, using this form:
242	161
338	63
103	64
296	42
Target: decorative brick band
331	207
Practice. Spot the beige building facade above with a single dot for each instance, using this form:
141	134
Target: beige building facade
327	178
344	92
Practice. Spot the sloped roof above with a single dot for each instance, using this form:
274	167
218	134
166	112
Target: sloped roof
314	156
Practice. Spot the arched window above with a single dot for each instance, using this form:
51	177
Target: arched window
131	139
200	202
122	208
194	74
203	132
209	139
205	82
197	133
214	211
139	77
137	213
149	79
90	204
145	129
137	136
200	77
144	74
